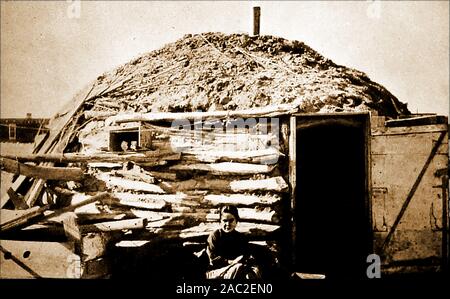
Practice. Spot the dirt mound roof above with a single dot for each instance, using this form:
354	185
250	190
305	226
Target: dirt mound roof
215	71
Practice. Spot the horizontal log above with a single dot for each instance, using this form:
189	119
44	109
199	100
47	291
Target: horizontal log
169	222
225	168
276	184
229	143
105	165
131	243
42	172
193	215
241	199
126	184
205	201
90	217
199	211
273	184
163	175
263	156
141	201
152	164
135	175
200	232
249	215
98	114
150	215
268	215
213	127
138	223
204	229
267	111
151	156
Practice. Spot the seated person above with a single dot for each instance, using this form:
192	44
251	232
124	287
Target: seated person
228	250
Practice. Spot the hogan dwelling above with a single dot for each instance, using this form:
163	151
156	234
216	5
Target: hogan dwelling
325	166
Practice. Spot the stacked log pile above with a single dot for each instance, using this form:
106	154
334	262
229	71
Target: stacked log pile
171	191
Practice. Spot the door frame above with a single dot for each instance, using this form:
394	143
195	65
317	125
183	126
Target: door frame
306	120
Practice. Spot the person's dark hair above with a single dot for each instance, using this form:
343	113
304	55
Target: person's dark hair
230	209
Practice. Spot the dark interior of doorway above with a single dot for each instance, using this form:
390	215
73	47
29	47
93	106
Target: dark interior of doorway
332	222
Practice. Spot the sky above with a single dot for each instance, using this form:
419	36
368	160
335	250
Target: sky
50	50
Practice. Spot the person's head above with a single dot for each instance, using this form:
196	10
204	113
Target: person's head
229	218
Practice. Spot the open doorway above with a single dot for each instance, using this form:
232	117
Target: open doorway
332	218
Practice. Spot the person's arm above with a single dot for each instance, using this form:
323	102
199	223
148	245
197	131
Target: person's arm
214	258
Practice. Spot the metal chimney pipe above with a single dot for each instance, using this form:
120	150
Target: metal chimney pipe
256	19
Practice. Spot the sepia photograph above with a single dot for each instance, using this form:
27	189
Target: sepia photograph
202	143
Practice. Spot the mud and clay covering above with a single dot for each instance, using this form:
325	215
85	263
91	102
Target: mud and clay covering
215	71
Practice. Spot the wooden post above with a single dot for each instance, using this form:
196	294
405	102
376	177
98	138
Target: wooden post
293	181
256	19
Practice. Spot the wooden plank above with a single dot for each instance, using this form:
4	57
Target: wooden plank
138	175
8	215
163	175
37	187
83	218
250	215
225	168
272	184
32	259
127	184
293	181
32	213
385	131
267	111
204	229
241	199
34	192
412	191
276	184
100	157
63	118
128	224
417	121
249	155
24	219
195	215
42	172
56	126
